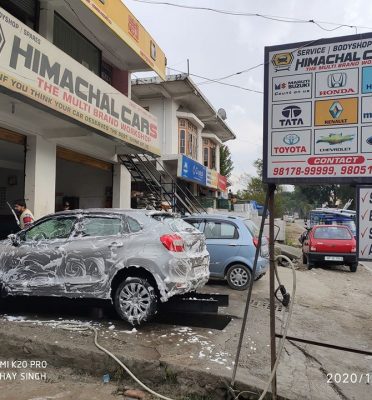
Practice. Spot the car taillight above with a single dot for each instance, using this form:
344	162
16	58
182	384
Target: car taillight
173	243
353	249
255	241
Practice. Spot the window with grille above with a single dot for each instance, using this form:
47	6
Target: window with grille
188	138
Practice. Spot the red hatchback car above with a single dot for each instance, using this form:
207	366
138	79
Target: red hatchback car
329	244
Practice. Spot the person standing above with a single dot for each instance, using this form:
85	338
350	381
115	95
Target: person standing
26	218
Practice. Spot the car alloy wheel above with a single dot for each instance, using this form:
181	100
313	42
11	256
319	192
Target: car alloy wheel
135	300
239	277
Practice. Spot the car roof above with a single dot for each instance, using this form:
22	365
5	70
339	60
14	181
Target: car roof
101	211
216	216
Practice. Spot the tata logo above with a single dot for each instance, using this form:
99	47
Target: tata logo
337	80
291	116
291	139
2	38
336	109
282	61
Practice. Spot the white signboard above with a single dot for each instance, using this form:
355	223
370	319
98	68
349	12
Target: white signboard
364	226
318	111
32	67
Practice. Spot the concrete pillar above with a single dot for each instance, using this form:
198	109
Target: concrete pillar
122	187
200	147
218	161
46	20
40	180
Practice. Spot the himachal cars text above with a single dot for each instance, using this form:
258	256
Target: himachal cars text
122	255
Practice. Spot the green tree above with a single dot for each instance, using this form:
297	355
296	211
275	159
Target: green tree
226	163
255	189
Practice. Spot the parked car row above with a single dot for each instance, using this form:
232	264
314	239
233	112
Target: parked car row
135	258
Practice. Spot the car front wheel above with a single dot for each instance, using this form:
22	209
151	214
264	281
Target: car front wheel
135	300
239	277
353	267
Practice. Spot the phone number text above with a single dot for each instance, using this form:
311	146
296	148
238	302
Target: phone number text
323	170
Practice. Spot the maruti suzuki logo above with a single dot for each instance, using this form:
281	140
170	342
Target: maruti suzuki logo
2	38
337	80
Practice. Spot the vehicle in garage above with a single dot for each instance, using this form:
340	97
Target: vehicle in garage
329	244
126	256
231	242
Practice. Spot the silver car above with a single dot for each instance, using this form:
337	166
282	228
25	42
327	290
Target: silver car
123	255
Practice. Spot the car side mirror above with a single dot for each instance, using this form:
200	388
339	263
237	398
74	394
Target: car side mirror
15	240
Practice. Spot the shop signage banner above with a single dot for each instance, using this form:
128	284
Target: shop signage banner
318	111
222	183
125	25
191	170
35	68
212	178
364	224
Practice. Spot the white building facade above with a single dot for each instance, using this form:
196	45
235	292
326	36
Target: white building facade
192	133
65	108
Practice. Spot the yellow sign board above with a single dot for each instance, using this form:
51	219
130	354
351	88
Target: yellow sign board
121	21
336	112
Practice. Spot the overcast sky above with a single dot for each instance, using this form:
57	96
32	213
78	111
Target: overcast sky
219	45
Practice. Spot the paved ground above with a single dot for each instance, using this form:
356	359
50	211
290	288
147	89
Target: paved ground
331	305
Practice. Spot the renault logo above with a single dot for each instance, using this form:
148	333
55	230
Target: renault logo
337	80
2	38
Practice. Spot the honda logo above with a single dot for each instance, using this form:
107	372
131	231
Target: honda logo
337	80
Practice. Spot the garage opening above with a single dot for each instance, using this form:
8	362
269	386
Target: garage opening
82	181
12	177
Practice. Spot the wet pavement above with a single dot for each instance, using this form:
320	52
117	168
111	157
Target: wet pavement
332	305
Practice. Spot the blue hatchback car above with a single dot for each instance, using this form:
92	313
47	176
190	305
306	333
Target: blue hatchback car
231	242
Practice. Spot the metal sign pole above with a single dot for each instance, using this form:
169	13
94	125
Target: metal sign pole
272	286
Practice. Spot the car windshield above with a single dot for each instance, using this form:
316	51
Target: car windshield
252	227
332	232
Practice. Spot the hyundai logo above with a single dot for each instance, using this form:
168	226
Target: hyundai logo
2	38
369	140
337	80
291	139
291	111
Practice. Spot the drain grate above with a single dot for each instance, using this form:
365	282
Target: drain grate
266	305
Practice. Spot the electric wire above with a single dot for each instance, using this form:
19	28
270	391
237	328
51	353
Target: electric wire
74	327
258	15
284	333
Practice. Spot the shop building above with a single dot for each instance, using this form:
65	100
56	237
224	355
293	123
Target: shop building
65	107
192	133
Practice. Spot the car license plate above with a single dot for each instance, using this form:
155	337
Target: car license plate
331	258
199	271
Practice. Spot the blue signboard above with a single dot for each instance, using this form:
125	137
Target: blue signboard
192	171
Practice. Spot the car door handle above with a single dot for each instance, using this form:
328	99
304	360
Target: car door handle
116	244
233	244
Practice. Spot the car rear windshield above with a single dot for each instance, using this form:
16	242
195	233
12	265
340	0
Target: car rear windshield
179	225
252	227
332	232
